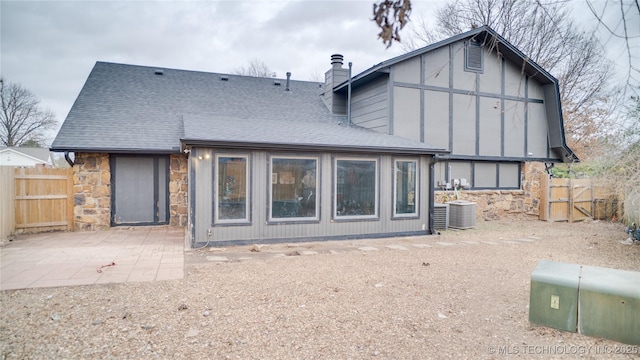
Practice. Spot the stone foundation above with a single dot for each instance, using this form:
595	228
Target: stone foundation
497	204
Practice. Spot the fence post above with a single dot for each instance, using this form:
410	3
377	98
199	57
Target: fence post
570	200
70	200
545	197
7	200
593	193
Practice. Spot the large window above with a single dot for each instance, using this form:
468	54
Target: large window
356	188
231	178
405	189
294	190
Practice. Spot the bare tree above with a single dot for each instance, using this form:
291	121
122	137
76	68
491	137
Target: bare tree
22	121
316	76
623	27
256	67
546	33
618	165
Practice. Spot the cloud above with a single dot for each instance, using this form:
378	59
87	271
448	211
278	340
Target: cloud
50	47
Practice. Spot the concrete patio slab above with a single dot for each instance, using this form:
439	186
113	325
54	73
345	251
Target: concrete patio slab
140	253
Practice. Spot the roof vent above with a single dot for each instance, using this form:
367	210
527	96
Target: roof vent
288	81
277	82
473	56
224	78
158	72
336	61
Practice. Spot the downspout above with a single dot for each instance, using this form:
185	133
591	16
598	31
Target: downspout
349	96
66	157
432	193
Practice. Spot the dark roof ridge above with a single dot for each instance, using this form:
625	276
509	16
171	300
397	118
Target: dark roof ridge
110	63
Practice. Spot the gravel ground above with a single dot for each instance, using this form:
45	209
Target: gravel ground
337	300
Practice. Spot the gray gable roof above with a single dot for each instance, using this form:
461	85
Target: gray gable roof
128	108
482	33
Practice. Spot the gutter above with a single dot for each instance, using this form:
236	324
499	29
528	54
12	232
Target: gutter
310	147
119	150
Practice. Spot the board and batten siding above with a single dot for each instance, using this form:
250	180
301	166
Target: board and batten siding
259	229
494	113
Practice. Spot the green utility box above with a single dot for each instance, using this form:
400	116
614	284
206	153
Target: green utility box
594	301
609	304
554	295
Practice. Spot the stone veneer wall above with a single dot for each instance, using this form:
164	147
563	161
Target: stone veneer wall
178	184
92	191
497	204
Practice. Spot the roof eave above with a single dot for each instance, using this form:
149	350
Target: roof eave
116	150
310	147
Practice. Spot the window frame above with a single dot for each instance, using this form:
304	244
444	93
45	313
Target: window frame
334	197
416	198
248	209
269	207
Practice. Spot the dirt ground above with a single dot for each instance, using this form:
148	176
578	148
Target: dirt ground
461	295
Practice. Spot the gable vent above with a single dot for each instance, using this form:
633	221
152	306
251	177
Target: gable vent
224	78
158	72
473	56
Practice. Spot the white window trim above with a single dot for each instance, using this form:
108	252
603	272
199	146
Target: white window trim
376	213
247	218
270	217
416	198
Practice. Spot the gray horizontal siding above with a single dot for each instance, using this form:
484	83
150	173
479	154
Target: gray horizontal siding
260	230
377	101
369	105
372	120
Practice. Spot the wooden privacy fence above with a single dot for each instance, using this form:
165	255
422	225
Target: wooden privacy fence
576	200
42	200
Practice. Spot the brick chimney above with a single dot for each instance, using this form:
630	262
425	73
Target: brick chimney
332	78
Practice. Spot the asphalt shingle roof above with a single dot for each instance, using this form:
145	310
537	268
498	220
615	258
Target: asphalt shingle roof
129	108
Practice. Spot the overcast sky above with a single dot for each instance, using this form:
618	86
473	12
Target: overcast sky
49	47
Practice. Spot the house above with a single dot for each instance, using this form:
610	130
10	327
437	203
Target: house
25	157
241	159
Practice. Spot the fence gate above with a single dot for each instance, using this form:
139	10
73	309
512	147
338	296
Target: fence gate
43	199
575	200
